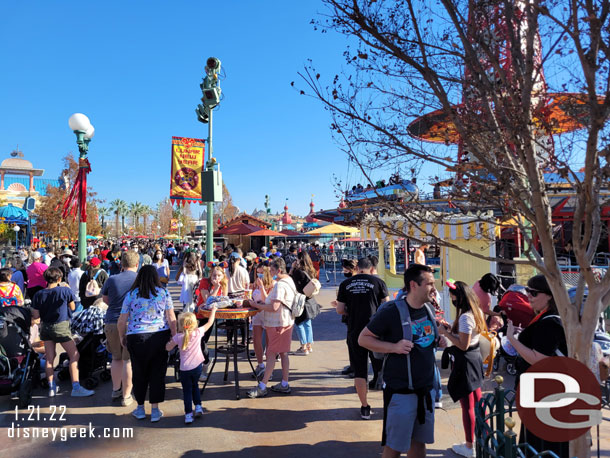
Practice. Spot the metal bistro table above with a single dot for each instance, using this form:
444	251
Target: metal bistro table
235	319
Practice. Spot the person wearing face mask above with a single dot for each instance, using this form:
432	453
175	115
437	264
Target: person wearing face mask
466	376
136	249
350	268
360	296
278	324
162	266
544	336
263	285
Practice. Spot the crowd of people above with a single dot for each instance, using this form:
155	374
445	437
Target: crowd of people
397	336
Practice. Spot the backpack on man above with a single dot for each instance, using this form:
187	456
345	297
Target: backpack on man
407	330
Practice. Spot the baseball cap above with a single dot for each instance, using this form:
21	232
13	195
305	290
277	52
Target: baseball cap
36	255
95	262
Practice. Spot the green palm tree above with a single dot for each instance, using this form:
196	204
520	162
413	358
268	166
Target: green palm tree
103	213
136	210
119	208
146	211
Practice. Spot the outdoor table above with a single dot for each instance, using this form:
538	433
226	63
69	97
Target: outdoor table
235	319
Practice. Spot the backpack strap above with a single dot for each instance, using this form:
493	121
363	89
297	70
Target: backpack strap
96	274
407	331
432	317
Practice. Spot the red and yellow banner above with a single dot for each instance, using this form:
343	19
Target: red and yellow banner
188	158
173	224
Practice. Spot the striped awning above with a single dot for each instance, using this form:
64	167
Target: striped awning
453	229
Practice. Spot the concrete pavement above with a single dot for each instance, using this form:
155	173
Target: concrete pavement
320	417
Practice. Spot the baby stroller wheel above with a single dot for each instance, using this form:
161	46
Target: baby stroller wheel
511	369
105	375
25	394
90	383
63	375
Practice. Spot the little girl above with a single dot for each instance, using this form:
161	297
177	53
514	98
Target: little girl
189	279
191	360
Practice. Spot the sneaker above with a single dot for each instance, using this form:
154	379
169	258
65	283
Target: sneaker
53	391
365	412
347	370
259	371
203	377
258	392
155	415
462	450
139	413
279	388
302	351
188	418
309	348
198	411
117	394
438	405
127	401
81	392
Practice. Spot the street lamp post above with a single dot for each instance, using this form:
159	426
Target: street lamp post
211	98
84	131
16	228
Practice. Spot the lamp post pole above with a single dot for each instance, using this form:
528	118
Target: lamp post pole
84	131
16	228
209	228
211	98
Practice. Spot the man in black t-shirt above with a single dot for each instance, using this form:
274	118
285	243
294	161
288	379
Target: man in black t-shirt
408	408
359	297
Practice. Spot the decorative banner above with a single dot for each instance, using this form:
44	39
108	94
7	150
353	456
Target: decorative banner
173	224
187	164
77	199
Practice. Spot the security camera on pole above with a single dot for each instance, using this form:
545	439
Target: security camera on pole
211	177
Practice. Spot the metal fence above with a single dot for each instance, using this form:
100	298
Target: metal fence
494	435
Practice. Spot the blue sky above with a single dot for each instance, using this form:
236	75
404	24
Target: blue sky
134	68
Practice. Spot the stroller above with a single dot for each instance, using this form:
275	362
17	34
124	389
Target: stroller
88	327
19	363
514	306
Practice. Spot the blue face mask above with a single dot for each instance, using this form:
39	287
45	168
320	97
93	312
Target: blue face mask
260	276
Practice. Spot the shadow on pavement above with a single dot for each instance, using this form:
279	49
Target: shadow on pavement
322	449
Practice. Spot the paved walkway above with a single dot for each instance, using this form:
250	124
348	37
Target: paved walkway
319	419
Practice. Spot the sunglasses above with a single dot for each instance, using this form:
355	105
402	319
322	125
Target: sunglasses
533	292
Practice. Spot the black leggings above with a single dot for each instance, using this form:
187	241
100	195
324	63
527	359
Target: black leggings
149	363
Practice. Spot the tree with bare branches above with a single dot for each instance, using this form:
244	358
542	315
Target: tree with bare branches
511	97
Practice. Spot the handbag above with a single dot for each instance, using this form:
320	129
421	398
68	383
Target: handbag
93	288
312	288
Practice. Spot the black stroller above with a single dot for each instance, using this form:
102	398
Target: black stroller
88	325
19	363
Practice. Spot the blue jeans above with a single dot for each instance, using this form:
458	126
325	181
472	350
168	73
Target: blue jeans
190	388
305	332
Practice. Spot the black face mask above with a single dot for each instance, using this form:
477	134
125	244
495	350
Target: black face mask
347	274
